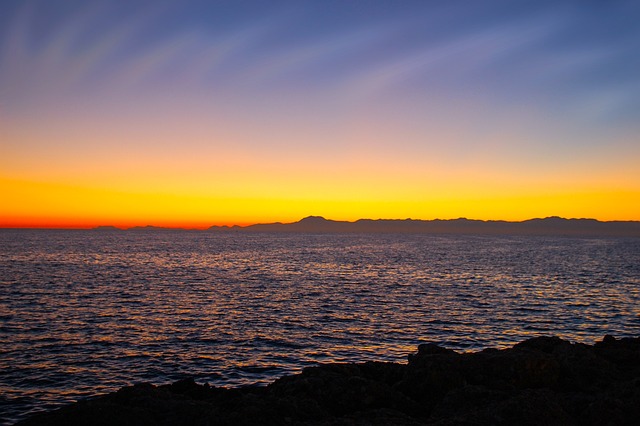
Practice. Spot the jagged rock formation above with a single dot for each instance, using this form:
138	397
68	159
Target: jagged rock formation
541	381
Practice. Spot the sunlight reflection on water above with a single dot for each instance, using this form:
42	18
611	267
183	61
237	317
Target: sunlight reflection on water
86	312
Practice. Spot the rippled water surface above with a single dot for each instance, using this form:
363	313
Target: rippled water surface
85	311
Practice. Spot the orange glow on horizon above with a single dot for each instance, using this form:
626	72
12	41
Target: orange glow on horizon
48	205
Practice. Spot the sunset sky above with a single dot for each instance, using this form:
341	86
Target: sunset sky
194	113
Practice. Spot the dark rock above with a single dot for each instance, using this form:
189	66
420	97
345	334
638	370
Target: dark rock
541	381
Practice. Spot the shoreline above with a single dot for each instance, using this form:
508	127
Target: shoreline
542	380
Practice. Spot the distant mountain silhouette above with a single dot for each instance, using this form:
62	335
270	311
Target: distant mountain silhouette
106	228
319	225
547	226
154	228
225	228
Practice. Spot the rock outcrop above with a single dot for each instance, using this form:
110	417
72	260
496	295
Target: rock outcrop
540	381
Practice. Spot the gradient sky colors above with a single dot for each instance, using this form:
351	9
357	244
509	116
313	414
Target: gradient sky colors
195	113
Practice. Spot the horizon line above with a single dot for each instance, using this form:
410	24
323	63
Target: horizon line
187	227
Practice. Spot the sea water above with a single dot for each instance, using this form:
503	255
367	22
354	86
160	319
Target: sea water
86	312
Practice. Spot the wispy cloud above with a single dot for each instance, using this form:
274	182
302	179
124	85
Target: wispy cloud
537	56
461	56
324	53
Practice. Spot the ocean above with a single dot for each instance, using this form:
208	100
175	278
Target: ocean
85	312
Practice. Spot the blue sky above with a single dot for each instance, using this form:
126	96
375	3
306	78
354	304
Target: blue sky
577	58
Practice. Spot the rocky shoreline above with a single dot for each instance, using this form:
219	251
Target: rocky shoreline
540	381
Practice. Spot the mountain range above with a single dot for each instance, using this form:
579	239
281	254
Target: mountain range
547	226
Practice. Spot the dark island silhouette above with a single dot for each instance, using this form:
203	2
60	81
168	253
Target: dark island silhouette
550	226
108	228
540	381
547	226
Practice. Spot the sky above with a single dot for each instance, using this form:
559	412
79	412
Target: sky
195	113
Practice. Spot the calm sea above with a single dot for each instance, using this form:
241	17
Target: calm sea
84	312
